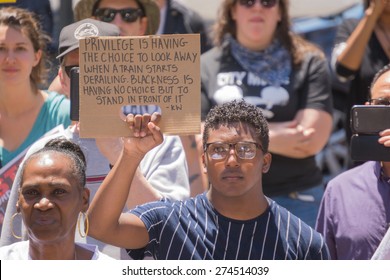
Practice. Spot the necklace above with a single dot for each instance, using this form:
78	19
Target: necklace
387	37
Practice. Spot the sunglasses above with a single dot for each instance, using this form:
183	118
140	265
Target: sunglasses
265	3
380	101
128	15
68	68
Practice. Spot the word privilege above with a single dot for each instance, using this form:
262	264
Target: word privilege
130	44
178	271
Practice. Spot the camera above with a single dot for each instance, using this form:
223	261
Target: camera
74	93
366	123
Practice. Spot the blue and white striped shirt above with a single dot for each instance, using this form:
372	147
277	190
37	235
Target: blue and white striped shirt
193	229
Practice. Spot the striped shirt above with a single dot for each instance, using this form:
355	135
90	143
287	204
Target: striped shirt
193	229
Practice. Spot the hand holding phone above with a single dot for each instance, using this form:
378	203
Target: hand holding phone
367	121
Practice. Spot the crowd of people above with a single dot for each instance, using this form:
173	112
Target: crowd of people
247	187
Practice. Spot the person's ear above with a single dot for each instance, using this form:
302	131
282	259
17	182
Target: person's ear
38	56
86	194
17	202
204	164
280	15
61	74
233	13
266	162
143	26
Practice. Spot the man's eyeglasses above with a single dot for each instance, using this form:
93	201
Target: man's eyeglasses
244	150
68	68
380	101
128	15
265	3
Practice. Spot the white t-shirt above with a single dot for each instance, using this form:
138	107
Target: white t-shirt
19	251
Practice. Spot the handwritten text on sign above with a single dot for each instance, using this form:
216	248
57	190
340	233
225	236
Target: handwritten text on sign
147	70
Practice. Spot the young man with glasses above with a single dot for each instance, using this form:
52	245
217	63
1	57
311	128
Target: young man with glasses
232	220
355	210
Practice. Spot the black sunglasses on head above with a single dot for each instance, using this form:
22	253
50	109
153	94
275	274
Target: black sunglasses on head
264	3
128	15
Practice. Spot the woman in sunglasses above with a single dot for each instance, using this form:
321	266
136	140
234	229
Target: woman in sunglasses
257	58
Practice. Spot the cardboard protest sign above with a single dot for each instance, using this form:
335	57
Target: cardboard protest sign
139	70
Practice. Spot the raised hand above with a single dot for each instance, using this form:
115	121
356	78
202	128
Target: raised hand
385	137
146	133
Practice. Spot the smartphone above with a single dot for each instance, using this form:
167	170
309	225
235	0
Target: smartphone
367	148
74	93
369	119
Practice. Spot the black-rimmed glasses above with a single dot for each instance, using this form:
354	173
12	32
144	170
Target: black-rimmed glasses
244	150
264	3
128	15
380	101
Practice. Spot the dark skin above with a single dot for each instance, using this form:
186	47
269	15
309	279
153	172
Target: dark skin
381	89
236	184
50	200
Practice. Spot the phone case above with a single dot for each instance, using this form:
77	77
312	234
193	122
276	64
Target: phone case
367	148
369	119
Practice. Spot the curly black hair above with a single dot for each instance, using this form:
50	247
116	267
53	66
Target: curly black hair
69	149
237	111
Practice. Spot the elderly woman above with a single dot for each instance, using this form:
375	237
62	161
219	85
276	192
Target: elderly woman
52	202
257	58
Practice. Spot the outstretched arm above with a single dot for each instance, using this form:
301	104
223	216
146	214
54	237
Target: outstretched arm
107	223
142	190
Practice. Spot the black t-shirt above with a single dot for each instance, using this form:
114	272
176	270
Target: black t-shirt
308	86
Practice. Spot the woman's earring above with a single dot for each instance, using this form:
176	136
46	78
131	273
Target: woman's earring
83	216
12	226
